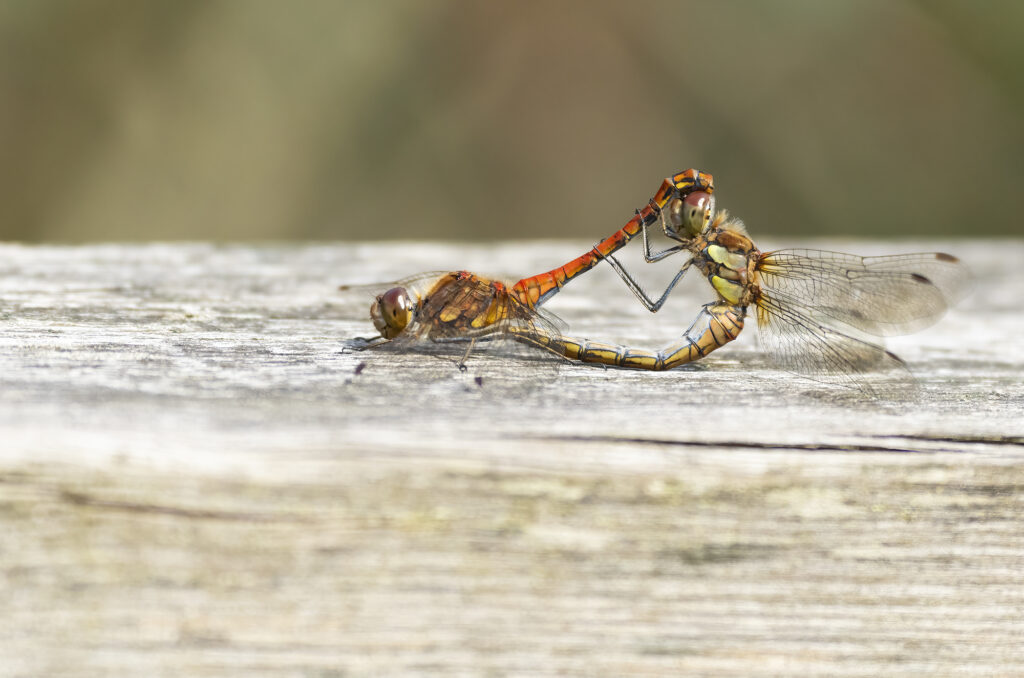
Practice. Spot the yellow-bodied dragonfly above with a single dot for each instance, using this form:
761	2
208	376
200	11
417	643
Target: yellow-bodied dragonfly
817	311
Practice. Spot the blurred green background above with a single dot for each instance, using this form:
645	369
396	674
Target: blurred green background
430	119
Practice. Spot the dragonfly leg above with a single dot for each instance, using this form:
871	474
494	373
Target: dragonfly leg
535	290
634	286
716	325
649	257
657	256
465	356
362	343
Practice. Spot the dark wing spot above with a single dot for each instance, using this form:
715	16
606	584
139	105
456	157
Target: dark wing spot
942	256
479	381
360	367
921	279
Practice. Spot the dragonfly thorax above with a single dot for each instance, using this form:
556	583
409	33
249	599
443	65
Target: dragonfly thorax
728	258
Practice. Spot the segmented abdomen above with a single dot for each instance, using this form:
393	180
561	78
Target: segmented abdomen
715	326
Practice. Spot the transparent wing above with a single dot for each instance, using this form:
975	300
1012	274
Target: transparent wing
354	300
378	287
882	296
470	308
463	316
798	342
459	307
548	321
501	340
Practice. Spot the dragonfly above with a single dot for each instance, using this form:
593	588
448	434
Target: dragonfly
818	312
461	306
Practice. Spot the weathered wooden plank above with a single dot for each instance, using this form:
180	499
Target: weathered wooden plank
194	480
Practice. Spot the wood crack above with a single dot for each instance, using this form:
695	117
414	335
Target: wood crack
744	444
83	499
962	439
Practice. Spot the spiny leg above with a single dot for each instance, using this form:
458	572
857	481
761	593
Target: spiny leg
668	251
634	286
689	217
535	290
682	219
650	259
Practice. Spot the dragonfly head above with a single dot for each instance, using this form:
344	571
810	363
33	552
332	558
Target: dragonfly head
690	216
392	312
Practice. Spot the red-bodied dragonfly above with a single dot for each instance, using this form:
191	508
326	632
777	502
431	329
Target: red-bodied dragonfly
460	306
817	311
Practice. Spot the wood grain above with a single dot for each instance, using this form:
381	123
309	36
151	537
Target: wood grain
196	479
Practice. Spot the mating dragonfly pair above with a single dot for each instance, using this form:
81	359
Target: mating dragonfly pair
817	311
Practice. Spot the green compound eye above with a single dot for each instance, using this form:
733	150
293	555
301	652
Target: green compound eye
697	210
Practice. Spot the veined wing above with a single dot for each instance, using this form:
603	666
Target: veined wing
458	306
523	320
468	314
414	281
797	342
882	296
465	306
357	298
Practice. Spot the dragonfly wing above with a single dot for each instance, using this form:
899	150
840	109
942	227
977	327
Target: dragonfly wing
460	313
357	298
460	306
378	287
522	319
547	321
882	296
798	342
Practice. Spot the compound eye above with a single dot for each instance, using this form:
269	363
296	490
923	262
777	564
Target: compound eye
392	312
675	214
694	212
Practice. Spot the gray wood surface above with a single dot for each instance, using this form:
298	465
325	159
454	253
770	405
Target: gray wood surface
196	480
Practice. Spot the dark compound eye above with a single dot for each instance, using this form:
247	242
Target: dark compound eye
395	301
392	312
